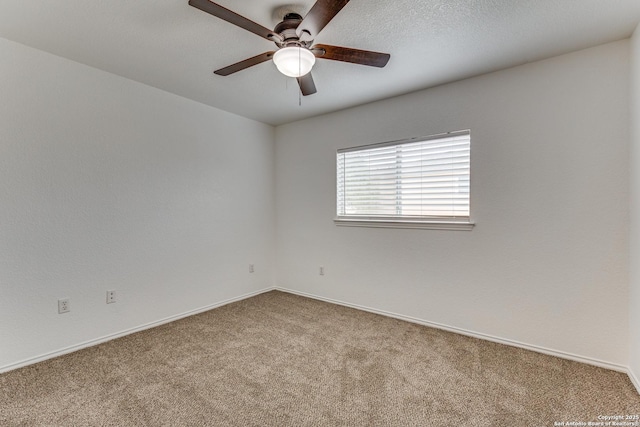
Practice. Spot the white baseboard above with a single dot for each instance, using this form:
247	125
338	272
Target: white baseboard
110	337
634	380
538	349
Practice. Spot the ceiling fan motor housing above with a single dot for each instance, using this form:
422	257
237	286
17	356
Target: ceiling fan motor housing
287	30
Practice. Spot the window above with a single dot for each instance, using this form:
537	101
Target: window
416	183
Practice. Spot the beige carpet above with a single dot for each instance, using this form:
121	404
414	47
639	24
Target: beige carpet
283	360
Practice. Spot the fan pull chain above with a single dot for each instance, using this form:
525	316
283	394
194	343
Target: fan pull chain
299	71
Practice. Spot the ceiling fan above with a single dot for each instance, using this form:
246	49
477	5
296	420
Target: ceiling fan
296	53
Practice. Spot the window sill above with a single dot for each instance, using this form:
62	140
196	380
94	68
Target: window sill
385	223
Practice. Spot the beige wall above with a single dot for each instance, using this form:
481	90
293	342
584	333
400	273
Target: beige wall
634	297
109	184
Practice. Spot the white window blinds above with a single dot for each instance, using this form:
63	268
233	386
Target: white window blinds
425	179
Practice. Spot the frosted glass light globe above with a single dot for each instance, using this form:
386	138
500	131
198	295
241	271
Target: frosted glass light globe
294	61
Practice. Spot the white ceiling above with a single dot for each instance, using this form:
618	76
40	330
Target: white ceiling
175	47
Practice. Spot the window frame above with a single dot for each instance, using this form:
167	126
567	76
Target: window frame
454	223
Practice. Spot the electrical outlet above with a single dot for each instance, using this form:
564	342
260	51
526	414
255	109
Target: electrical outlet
64	305
251	270
111	297
322	271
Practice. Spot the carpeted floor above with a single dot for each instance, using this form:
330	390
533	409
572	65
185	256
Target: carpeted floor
283	360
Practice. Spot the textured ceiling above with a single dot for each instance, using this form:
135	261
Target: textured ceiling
175	47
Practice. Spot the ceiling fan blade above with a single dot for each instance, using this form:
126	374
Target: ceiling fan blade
320	14
232	17
239	66
347	54
307	86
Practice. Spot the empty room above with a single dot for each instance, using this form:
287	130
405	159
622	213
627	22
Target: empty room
322	213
